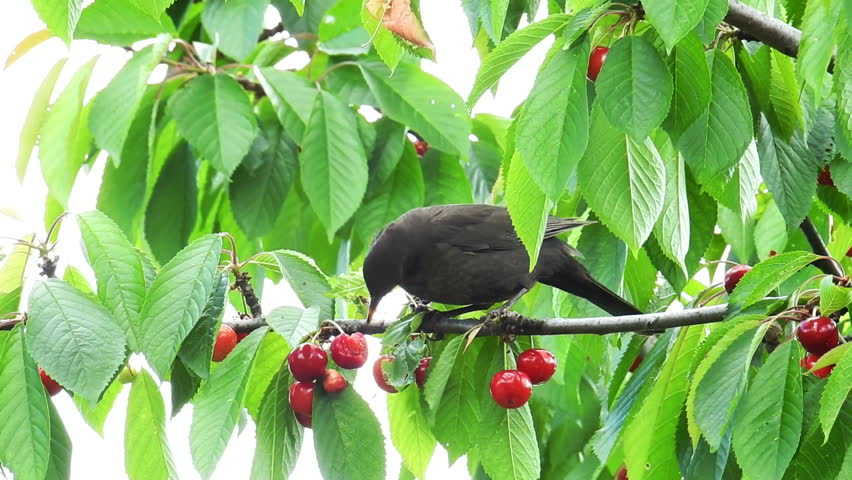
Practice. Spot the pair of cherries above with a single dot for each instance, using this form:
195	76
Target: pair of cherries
513	388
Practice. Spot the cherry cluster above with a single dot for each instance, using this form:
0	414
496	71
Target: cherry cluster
513	388
817	335
308	364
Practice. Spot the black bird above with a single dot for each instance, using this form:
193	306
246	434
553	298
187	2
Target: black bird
471	255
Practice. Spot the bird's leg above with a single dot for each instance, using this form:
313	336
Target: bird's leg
419	305
506	306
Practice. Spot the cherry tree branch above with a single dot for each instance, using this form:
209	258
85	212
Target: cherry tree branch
818	247
769	30
515	324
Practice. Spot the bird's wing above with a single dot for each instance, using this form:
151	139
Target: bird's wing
476	228
557	225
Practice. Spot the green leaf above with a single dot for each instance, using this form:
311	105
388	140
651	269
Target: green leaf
508	52
738	232
673	19
527	206
634	88
836	392
507	441
291	96
279	436
815	49
214	114
712	16
422	102
444	179
720	381
35	118
765	276
10	301
175	299
672	228
257	195
333	163
344	34
309	283
123	190
784	93
637	386
270	358
293	324
64	137
184	385
121	22
147	453
387	150
14	266
843	84
234	26
553	129
25	429
783	165
118	270
347	438
649	438
60	17
400	193
580	23
197	349
59	466
767	429
454	397
172	208
219	403
409	431
770	232
635	177
832	297
691	84
498	18
717	139
96	415
74	339
115	107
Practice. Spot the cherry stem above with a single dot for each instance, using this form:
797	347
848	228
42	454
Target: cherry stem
232	252
335	325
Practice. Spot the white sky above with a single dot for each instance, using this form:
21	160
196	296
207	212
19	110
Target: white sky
22	211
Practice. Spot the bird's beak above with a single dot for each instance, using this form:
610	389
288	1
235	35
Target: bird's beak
374	303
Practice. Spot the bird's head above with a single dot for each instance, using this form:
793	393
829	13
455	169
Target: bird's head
383	266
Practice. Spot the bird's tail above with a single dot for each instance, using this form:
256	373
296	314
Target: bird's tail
577	281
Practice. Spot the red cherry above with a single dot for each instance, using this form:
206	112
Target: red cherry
307	362
511	388
849	252
421	147
733	276
379	375
810	360
349	351
302	397
622	474
49	384
334	381
538	364
596	61
772	253
422	370
825	178
304	420
226	340
818	335
241	336
636	362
